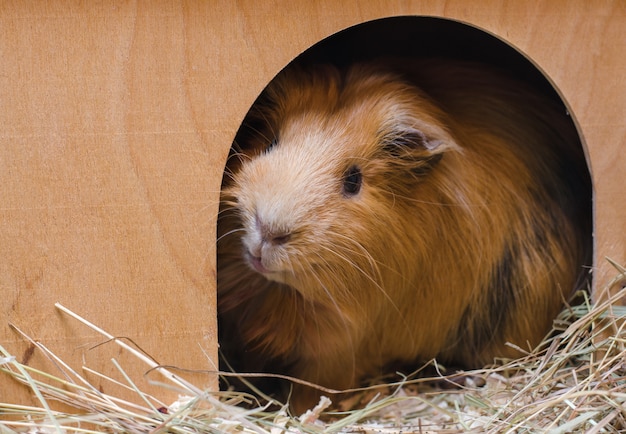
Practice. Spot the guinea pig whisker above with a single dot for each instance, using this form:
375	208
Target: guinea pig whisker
231	232
239	155
362	251
331	275
377	284
360	270
224	214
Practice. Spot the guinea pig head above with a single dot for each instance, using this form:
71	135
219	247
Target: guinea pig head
323	195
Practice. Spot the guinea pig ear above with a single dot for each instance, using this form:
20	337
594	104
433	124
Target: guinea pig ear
414	138
414	149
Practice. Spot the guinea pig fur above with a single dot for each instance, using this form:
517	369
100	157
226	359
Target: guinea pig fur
372	216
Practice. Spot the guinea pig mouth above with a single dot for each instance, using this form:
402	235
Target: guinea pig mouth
256	263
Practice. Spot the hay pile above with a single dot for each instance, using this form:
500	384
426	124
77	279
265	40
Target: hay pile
574	382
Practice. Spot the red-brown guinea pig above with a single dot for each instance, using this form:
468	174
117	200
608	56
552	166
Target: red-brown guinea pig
377	214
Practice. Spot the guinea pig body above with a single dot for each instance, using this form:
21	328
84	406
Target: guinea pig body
370	217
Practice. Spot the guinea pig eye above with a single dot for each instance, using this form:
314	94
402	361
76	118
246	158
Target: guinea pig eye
352	181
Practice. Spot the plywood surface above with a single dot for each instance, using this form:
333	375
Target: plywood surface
115	121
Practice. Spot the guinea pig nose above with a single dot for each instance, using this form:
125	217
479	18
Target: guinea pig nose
274	238
279	239
272	235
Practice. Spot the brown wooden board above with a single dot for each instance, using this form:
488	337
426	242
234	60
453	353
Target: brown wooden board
115	122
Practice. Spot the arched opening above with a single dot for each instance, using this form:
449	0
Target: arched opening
413	36
416	38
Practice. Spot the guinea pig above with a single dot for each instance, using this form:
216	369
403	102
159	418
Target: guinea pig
372	215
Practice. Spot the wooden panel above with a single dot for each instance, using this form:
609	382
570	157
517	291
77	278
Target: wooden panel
108	186
115	121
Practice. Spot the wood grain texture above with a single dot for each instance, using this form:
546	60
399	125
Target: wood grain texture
115	122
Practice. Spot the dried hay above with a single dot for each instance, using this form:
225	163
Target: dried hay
574	382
